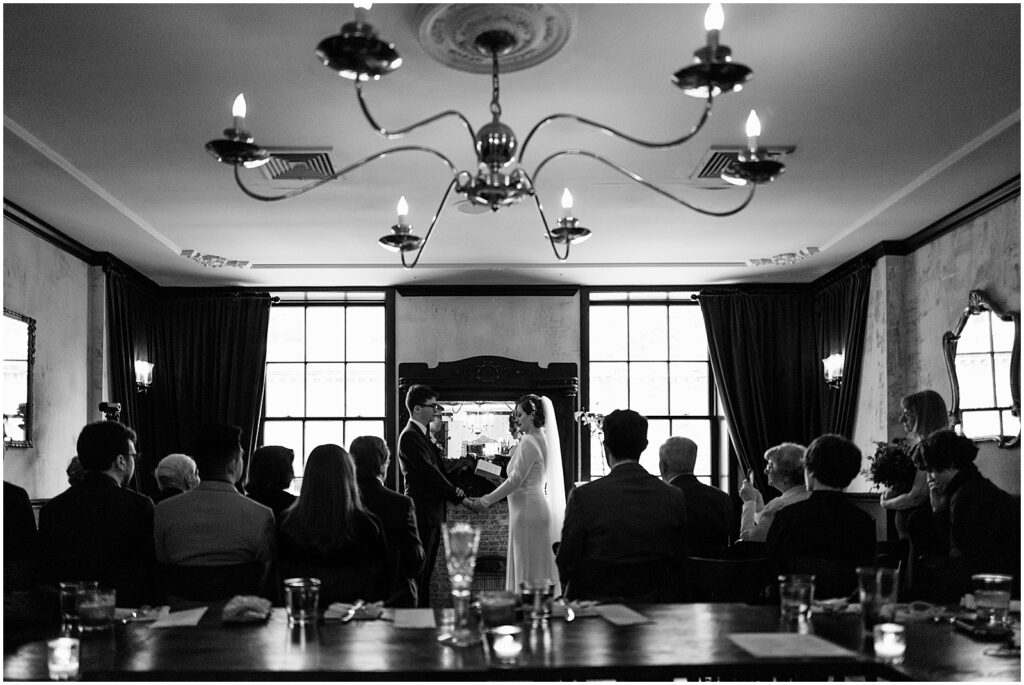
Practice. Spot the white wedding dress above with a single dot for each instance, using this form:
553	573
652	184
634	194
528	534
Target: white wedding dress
530	521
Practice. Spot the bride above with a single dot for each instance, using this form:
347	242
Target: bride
536	495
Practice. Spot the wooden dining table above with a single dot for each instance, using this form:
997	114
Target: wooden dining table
677	641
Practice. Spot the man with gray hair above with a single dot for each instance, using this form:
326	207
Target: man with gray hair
175	474
708	509
784	466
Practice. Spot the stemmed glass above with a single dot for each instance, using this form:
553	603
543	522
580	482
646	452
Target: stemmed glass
460	544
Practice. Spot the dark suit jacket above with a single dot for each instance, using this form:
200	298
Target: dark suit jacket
21	542
619	530
97	530
708	515
426	481
397	513
277	500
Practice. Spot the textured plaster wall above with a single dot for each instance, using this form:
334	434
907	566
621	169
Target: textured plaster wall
52	287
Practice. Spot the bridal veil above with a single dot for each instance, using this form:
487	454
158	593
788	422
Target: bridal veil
555	490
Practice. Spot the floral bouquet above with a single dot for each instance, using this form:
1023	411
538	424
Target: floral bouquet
891	466
594	421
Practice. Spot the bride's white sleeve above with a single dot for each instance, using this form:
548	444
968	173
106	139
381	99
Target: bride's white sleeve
518	467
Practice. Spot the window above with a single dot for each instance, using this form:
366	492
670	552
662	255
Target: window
983	372
647	351
325	376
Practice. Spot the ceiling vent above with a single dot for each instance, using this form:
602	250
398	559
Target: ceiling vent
298	165
715	160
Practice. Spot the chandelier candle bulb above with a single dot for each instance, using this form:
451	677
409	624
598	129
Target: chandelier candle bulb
753	131
714	20
403	211
238	112
566	204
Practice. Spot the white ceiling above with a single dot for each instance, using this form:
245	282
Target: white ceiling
899	114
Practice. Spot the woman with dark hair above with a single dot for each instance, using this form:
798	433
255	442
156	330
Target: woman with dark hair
980	522
270	476
328	534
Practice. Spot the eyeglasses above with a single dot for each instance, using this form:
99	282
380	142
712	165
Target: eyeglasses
436	407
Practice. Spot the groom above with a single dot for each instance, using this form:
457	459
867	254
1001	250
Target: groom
426	481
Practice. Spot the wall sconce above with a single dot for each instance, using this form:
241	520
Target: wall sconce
834	370
143	375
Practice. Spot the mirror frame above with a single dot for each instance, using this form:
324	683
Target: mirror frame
977	302
27	442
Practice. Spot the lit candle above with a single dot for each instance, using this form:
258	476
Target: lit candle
714	19
403	211
506	647
753	131
62	658
890	641
566	204
238	112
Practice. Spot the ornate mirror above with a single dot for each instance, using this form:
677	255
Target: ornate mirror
19	353
983	360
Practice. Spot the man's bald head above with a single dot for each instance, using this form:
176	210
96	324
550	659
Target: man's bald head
677	457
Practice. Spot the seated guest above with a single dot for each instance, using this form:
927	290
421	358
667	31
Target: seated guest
21	541
980	521
624	535
708	509
270	476
75	471
175	474
826	533
213	524
327	534
397	514
784	466
99	530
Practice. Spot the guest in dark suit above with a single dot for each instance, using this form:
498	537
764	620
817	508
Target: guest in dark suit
979	522
708	509
175	474
271	472
624	535
397	514
328	534
21	541
826	533
426	480
99	530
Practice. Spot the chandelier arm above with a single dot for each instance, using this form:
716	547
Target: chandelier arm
618	134
398	133
433	222
338	174
544	220
644	182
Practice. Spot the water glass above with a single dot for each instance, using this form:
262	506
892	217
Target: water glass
62	658
69	607
497	608
505	643
796	596
992	598
95	607
878	588
301	600
537	595
890	642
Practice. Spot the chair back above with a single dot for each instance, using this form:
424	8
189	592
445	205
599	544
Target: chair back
645	582
366	581
210	583
750	581
833	577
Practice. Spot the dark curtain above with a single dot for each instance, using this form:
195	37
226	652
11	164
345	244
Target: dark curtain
209	353
841	312
763	356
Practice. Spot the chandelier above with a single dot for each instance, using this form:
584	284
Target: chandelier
501	180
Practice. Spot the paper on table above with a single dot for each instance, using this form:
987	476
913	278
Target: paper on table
180	618
415	618
786	645
620	614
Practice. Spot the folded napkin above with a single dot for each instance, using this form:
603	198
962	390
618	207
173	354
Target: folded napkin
620	615
365	612
178	619
415	618
246	609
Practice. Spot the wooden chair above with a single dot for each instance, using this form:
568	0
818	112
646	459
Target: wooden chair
750	581
644	582
210	583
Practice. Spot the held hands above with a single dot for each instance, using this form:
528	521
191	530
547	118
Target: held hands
474	504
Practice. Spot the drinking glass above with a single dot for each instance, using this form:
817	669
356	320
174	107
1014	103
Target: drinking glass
796	596
69	608
890	642
992	599
96	607
505	643
878	587
537	597
497	608
301	600
461	540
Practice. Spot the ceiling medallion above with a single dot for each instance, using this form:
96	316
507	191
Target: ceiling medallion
449	34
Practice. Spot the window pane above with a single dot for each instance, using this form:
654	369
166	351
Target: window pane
1002	335
325	390
365	390
286	433
608	387
687	339
364	334
1002	371
700	433
688	382
974	372
981	424
353	429
284	390
1011	424
648	333
323	433
657	434
326	330
648	388
608	333
975	337
284	334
